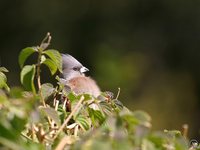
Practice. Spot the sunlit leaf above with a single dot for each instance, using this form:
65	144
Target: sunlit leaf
72	97
24	54
51	65
3	69
55	56
27	77
86	96
3	81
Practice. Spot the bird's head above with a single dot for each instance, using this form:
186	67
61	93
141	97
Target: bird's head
72	67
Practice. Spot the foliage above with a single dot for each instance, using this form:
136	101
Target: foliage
3	78
49	117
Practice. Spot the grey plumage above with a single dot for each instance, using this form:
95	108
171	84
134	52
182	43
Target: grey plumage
73	73
70	66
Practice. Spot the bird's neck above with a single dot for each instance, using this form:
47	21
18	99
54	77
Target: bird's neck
70	76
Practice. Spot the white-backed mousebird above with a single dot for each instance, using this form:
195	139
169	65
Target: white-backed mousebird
73	73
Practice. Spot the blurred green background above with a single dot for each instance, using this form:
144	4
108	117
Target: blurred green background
148	48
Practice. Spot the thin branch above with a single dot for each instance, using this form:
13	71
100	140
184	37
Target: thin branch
39	79
69	117
48	39
28	138
56	106
42	47
38	71
185	128
118	93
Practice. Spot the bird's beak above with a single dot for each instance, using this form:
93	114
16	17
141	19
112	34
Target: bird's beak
84	69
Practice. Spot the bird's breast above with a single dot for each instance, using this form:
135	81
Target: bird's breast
84	84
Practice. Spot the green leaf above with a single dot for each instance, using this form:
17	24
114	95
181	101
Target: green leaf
55	56
3	81
72	97
96	116
62	113
24	54
83	122
86	96
51	65
50	112
27	77
3	69
47	90
107	109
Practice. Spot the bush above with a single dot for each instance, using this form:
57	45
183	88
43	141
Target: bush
44	116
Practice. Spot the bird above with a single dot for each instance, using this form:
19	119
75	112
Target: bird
76	80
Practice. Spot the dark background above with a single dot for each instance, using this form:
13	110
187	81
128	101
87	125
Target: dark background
148	48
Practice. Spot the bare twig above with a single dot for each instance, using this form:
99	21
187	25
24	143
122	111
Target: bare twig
56	106
69	117
64	104
28	138
118	93
39	79
185	130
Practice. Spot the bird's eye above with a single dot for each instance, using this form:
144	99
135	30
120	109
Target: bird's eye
76	68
